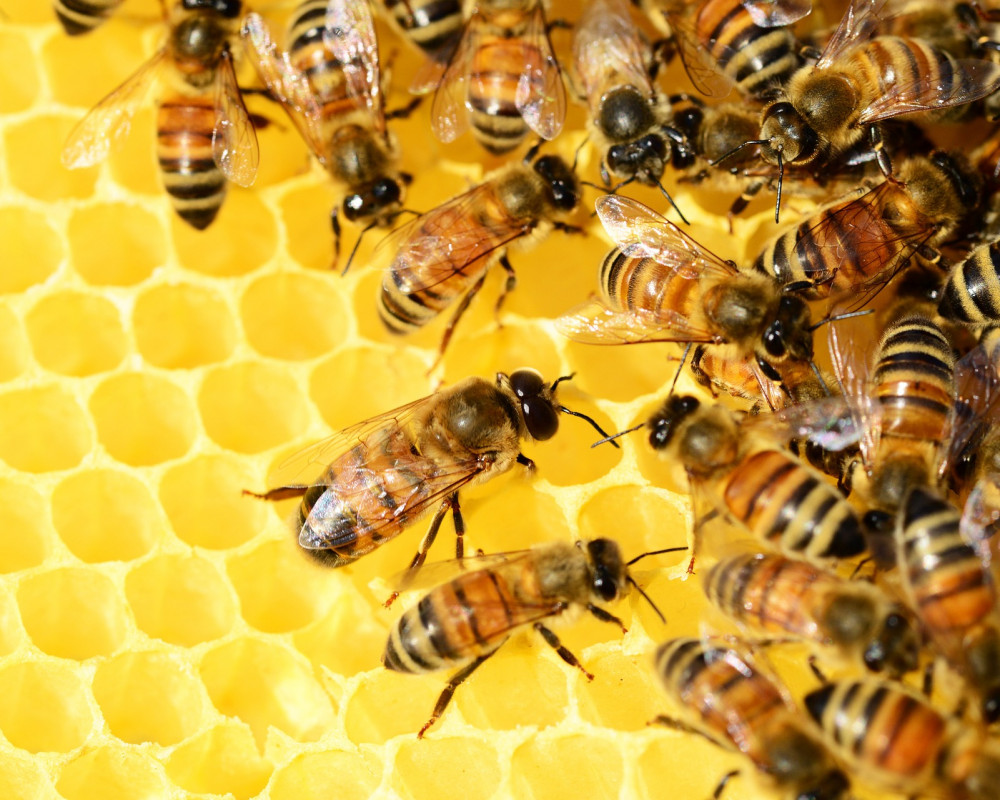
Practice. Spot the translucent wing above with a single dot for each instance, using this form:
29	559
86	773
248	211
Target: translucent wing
828	423
699	63
980	523
777	13
436	573
641	232
234	140
857	24
288	84
540	95
449	112
605	44
349	34
595	323
850	342
107	124
977	402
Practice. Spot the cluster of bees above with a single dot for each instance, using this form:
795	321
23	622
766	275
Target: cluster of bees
884	453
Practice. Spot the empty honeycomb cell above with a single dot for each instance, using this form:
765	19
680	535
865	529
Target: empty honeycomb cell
279	590
32	156
149	697
389	704
639	370
24	778
180	599
182	326
113	773
222	760
11	634
13	345
440	768
30	249
502	350
252	407
294	316
105	515
321	776
509	513
241	239
18	73
43	707
72	613
305	212
378	380
587	766
44	429
115	244
81	74
48	323
143	419
516	687
264	685
639	513
24	520
568	459
658	775
622	694
348	638
204	501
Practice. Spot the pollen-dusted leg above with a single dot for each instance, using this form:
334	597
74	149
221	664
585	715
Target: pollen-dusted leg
446	694
564	653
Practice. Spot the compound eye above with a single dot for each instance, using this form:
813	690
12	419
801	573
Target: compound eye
653	144
604	584
774	339
540	417
617	154
354	207
386	191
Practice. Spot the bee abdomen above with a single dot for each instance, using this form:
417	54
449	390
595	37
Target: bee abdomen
493	81
82	16
195	184
430	24
972	292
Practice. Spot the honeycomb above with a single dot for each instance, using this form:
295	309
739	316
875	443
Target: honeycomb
161	635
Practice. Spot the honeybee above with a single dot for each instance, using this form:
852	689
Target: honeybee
860	243
952	591
463	622
974	446
432	25
502	79
662	286
82	16
971	294
204	133
895	740
732	702
330	85
381	475
779	595
444	254
856	83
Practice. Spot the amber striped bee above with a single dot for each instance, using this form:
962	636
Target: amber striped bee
463	622
205	136
433	26
83	16
378	477
330	85
502	79
727	698
777	595
971	294
443	256
894	740
952	591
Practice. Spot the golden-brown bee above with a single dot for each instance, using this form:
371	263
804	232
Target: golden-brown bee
662	286
974	446
777	595
952	592
463	622
329	83
971	294
82	16
726	697
502	79
860	243
432	25
444	255
381	475
894	740
204	133
858	82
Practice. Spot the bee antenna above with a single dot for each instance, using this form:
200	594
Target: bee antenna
839	317
559	380
735	150
649	599
781	180
533	151
641	556
596	427
819	377
357	244
576	153
677	375
667	195
614	436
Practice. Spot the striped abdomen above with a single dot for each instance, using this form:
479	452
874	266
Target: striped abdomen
756	59
309	54
458	621
780	499
430	24
642	284
82	16
196	186
972	292
494	74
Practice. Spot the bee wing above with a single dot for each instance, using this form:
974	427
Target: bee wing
857	24
595	323
977	402
828	423
436	573
234	140
449	111
289	85
540	95
349	34
637	230
107	124
849	354
980	520
607	36
700	65
777	13
973	79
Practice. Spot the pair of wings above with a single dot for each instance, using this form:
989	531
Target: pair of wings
104	128
348	36
540	96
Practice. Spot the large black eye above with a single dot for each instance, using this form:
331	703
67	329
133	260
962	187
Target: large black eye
653	143
608	568
664	422
617	156
354	206
774	339
541	417
386	191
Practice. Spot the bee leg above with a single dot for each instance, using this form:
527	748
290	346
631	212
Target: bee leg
280	493
605	616
663	52
816	671
928	685
508	287
562	226
723	783
335	227
459	311
445	697
740	203
881	155
421	555
405	111
553	641
524	461
680	725
459	523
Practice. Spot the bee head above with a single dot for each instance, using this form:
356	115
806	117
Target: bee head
374	200
790	333
608	574
663	424
644	159
229	9
560	183
786	136
895	648
536	398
